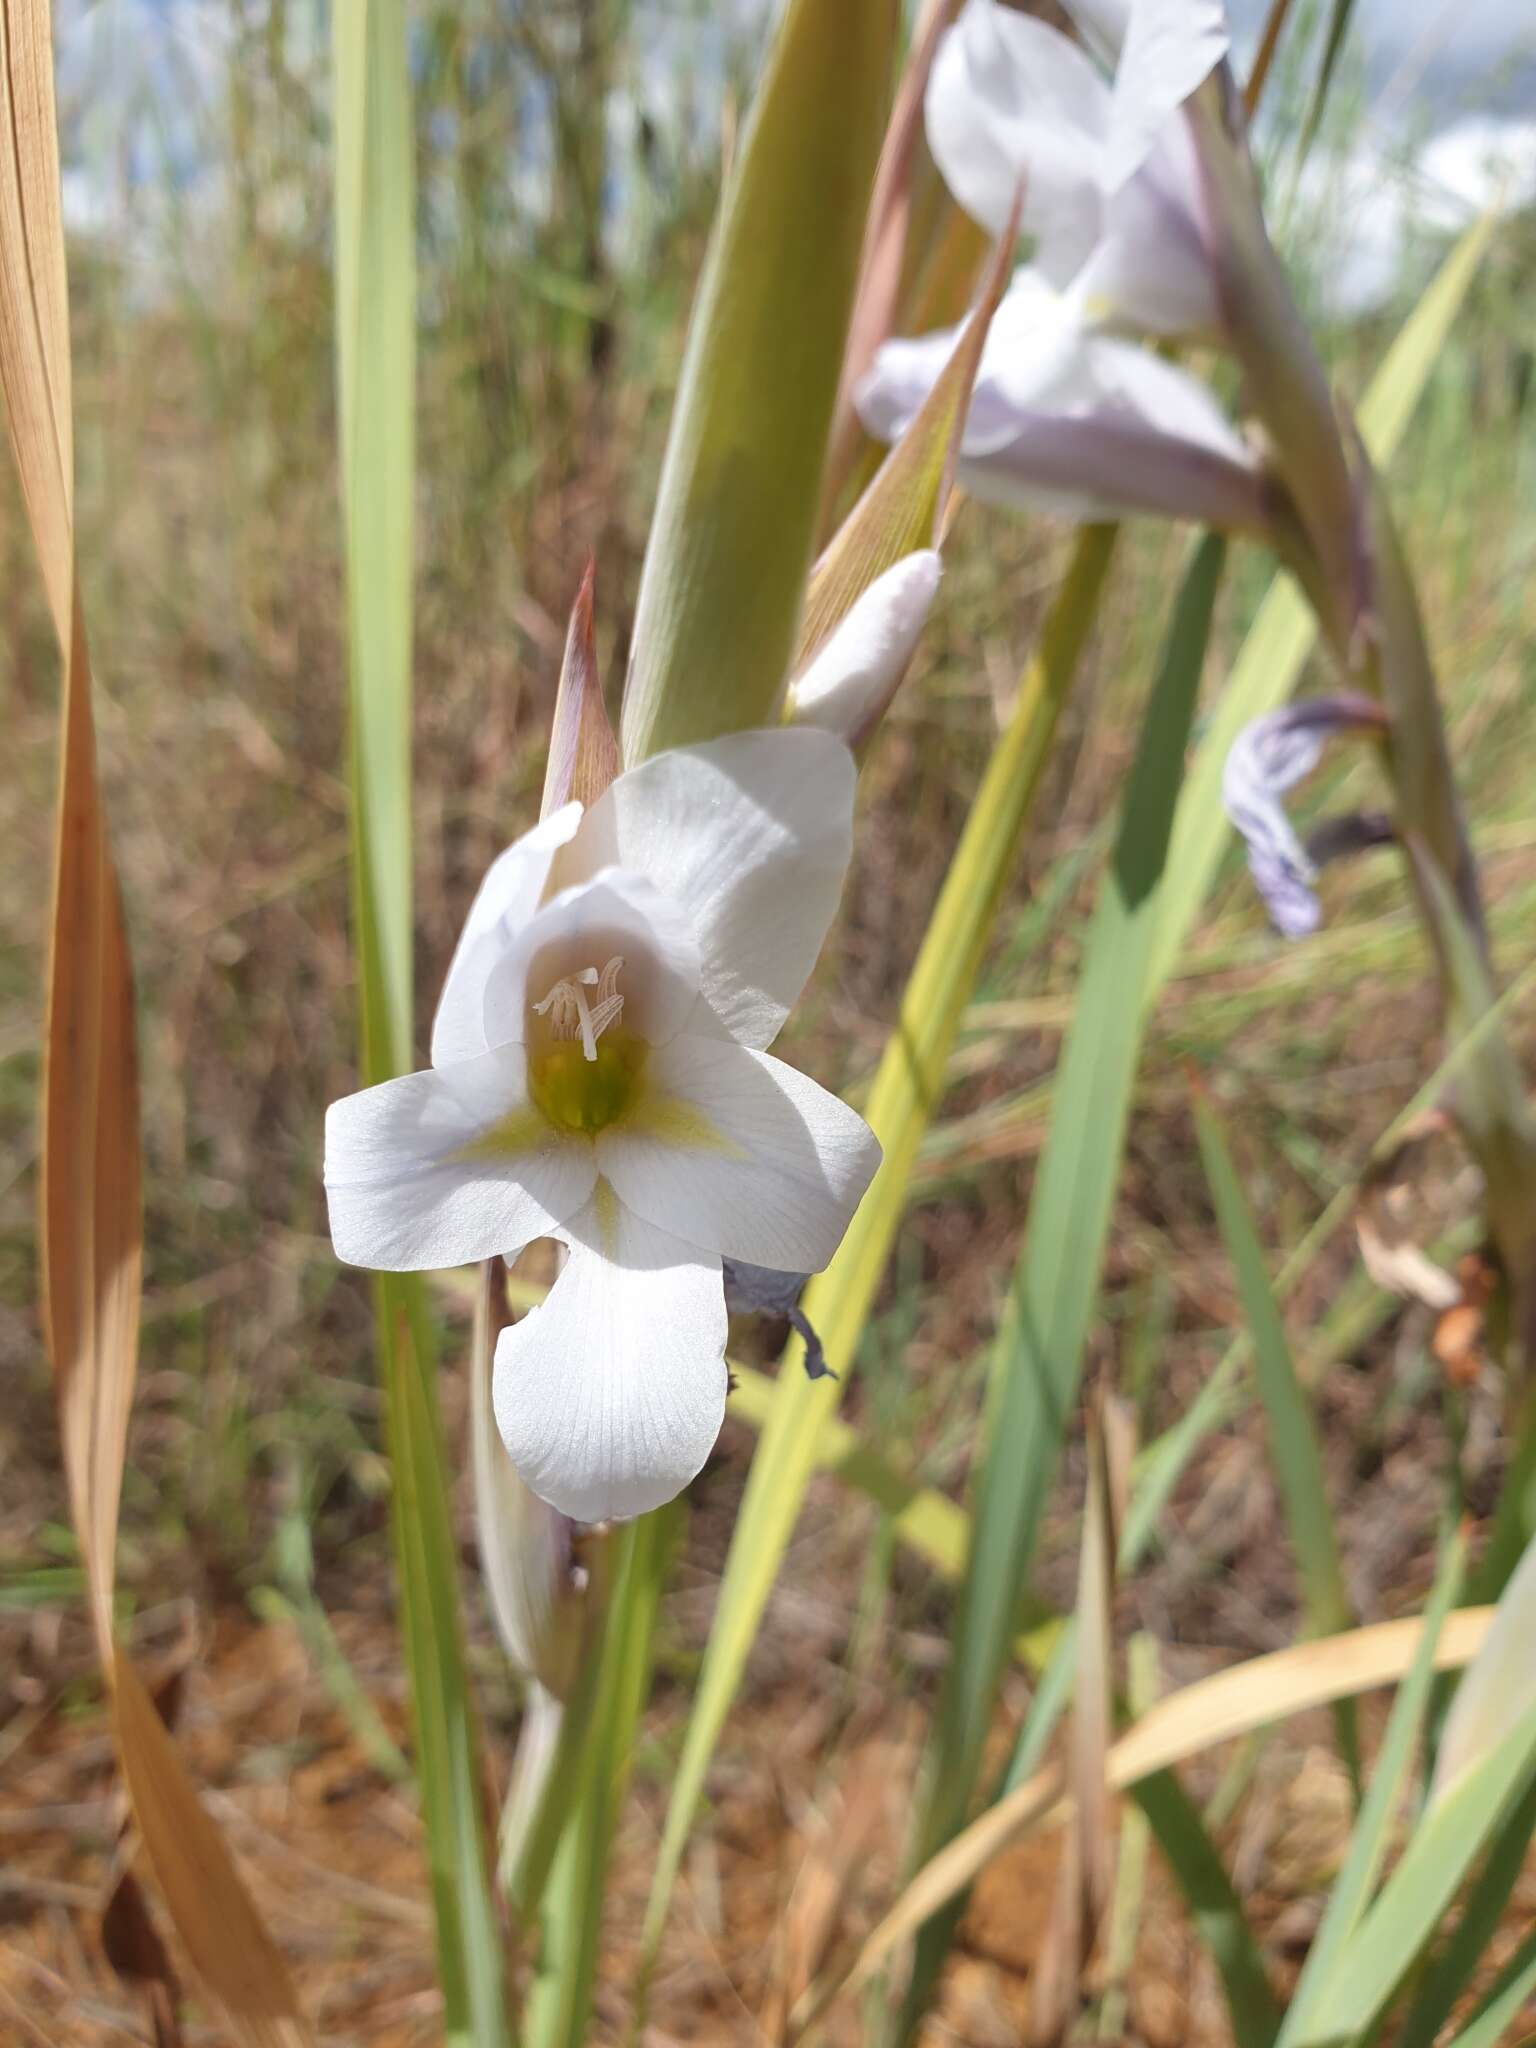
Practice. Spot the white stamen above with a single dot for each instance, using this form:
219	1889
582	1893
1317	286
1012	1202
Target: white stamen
570	1013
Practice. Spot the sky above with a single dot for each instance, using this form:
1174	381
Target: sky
1449	91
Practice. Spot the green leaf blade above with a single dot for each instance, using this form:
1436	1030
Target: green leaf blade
735	522
374	164
1050	1305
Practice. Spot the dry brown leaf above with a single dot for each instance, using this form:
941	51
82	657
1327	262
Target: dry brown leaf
904	507
1086	1877
885	240
91	1222
213	1914
583	753
137	1954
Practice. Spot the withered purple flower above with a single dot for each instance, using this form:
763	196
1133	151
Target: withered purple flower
1268	758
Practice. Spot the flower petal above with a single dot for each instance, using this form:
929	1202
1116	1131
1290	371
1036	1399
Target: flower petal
1171	47
1154	271
1010	102
438	1168
751	836
1270	756
610	1395
1132	434
851	679
1082	425
1101	24
617	913
738	1152
505	901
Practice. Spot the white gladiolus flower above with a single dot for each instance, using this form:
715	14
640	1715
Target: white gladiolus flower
1067	417
1074	423
1107	168
599	1076
848	682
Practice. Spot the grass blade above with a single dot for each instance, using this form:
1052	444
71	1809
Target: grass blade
1454	1967
1050	1304
1294	1446
1338	29
559	2004
374	147
905	1093
1348	1899
1441	1850
1504	2003
1213	1906
1231	1703
735	520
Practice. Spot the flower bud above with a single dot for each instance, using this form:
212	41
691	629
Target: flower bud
849	681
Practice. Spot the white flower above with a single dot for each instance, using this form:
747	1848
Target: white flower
1066	417
599	1076
848	682
1075	423
1108	171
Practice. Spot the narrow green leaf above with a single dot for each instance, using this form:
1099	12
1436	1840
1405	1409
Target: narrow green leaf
1481	1917
1213	1905
1046	1320
1491	1103
374	157
905	1093
559	2007
1295	1450
1352	1888
1338	29
1505	2002
1402	1921
1162	1462
374	152
1281	637
734	527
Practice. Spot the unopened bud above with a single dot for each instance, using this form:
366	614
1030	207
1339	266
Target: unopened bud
583	753
848	683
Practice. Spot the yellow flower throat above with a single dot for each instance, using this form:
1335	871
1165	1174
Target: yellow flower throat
584	1068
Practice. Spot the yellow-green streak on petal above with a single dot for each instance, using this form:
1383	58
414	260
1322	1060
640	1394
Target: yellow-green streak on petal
605	1204
676	1122
524	1129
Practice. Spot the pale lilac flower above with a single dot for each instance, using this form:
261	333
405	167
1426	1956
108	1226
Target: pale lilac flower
1267	759
1067	416
1077	424
1110	182
599	1075
849	680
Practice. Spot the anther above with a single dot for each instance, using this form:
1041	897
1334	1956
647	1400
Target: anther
572	1016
